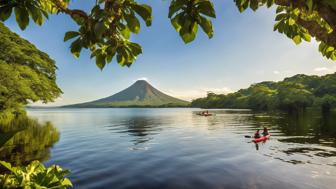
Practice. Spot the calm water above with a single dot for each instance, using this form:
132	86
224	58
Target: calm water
174	148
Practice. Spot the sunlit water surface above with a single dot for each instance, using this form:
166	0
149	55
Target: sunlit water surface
174	148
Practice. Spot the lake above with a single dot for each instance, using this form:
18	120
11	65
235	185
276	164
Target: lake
175	148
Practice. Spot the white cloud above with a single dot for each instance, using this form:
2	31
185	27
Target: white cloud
321	69
142	78
276	72
324	70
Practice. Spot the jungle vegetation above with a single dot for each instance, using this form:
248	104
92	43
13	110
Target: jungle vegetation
26	74
106	30
293	94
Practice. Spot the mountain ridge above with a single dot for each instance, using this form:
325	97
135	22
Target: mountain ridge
139	94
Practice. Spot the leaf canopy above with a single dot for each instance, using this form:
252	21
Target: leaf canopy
110	24
26	73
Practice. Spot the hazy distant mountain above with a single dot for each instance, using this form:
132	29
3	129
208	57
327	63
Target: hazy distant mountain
140	94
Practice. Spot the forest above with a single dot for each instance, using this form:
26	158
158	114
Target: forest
293	94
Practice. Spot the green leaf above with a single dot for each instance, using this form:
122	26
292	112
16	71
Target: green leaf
110	52
333	56
281	26
206	25
100	61
279	9
132	23
120	59
97	12
306	37
5	13
270	3
276	26
280	16
99	29
36	14
177	22
329	49
126	57
22	17
206	8
126	32
297	39
291	21
78	19
242	5
188	31
70	34
136	48
76	47
254	4
66	182
109	57
175	6
144	11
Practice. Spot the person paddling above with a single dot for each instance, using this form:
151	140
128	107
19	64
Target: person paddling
265	132
257	134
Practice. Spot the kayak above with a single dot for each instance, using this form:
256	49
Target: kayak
263	138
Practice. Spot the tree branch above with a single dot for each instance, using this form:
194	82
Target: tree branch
324	11
70	12
314	29
319	32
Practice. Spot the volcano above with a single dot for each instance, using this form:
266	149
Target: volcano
140	94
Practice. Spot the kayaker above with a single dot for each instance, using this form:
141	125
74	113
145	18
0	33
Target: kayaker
257	134
265	132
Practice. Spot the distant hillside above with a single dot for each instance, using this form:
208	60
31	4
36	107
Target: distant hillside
292	94
140	94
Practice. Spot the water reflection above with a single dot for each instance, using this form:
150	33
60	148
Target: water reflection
310	128
32	143
190	151
258	144
141	129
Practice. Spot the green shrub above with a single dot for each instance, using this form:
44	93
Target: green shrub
34	175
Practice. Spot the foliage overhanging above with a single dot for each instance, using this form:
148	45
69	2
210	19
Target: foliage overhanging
106	30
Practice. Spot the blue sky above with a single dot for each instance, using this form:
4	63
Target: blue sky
244	50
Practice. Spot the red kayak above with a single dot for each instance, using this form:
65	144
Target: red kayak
263	138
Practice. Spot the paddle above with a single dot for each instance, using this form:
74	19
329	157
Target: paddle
246	136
